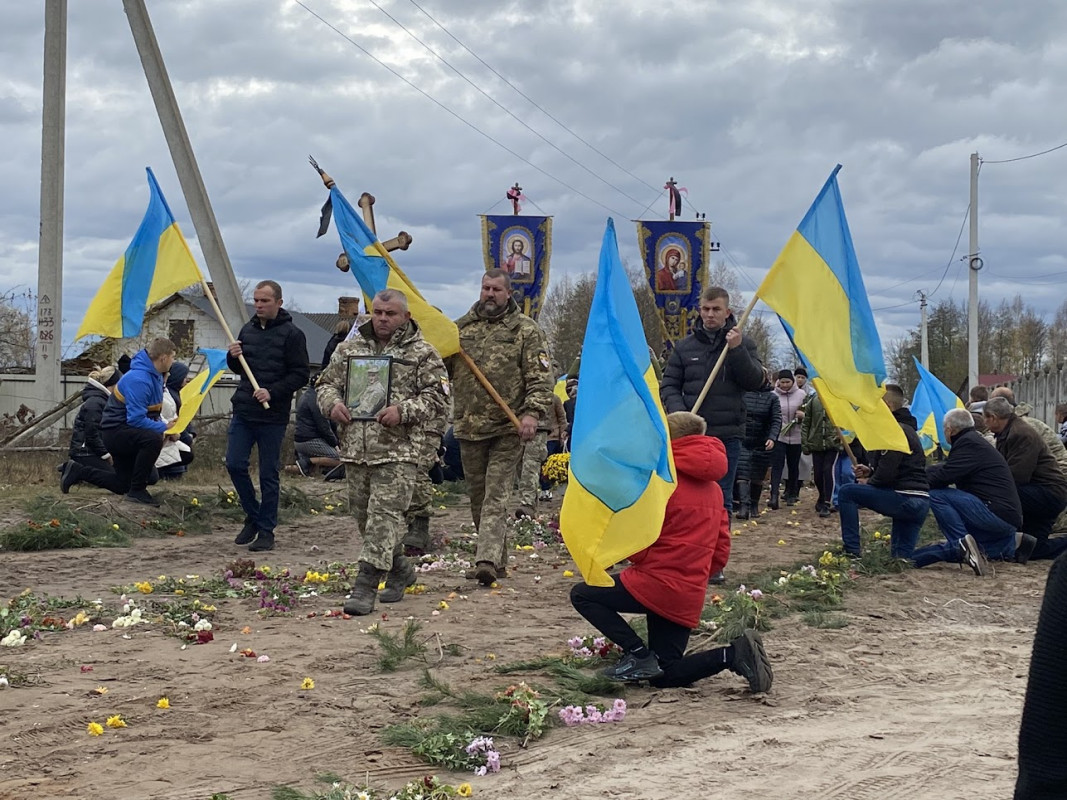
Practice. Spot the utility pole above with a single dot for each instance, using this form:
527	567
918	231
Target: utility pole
974	263
181	152
924	346
48	355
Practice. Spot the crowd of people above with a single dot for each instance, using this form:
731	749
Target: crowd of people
997	494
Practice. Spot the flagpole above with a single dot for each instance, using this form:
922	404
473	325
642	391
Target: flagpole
230	337
840	435
722	356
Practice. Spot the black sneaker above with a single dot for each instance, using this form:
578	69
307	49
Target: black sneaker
263	542
141	496
632	668
750	662
718	579
1024	547
972	556
248	533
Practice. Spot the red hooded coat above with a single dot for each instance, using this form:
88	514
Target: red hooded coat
670	577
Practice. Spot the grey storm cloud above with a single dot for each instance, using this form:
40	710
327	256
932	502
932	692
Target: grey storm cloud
748	105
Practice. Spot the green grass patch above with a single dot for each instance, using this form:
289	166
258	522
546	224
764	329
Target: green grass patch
823	619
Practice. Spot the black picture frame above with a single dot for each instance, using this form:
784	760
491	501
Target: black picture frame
368	385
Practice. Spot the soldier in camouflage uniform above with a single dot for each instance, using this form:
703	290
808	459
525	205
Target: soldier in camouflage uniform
382	455
510	350
533	457
417	539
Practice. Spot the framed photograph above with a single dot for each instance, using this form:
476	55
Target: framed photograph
367	385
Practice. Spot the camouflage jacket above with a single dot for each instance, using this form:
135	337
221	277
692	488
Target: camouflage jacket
418	388
511	351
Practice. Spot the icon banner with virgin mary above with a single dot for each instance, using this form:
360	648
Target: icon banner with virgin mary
521	246
675	256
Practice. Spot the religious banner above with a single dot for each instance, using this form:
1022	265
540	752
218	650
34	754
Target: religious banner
675	255
521	246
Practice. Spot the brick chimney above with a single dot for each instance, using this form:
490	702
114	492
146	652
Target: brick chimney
347	307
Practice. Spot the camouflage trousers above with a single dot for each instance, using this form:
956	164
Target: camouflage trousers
534	454
378	496
421	506
489	467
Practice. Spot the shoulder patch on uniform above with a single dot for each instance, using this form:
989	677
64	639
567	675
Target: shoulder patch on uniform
542	356
446	387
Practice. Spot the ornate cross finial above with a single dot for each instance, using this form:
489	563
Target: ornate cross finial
515	195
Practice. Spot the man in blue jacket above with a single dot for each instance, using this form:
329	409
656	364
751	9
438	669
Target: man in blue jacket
690	365
130	425
276	352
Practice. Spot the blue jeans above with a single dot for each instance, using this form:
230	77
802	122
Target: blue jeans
906	510
844	475
958	513
267	438
733	453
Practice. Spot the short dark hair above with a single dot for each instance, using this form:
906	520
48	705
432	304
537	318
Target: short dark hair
714	293
160	347
274	286
979	394
894	395
495	273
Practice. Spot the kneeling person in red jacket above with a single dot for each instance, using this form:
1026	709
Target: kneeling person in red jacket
667	580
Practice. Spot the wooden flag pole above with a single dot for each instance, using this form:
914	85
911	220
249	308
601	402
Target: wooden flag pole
230	337
840	435
722	356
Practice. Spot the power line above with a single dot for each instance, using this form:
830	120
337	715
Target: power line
1023	158
533	102
443	107
502	107
959	236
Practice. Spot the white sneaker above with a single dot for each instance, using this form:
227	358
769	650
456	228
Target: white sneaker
972	556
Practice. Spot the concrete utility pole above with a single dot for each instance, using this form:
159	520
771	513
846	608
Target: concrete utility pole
48	350
181	152
924	339
975	264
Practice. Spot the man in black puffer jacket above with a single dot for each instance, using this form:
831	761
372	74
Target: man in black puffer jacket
763	423
894	484
276	352
690	365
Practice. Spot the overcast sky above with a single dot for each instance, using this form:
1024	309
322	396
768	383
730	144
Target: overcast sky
748	105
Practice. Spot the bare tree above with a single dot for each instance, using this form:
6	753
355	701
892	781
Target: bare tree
17	333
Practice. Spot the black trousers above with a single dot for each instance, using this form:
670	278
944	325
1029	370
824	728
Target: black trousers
98	472
822	472
601	606
1042	767
134	451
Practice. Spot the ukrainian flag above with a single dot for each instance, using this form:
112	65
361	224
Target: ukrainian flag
157	263
560	389
375	270
621	468
816	288
194	392
931	402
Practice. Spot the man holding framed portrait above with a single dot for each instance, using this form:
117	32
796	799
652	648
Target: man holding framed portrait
382	386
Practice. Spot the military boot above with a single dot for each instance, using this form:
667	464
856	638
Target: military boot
754	491
400	577
360	601
417	539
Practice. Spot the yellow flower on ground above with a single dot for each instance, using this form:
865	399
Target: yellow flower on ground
464	790
443	605
163	702
144	587
195	501
568	573
329	508
877	534
114	526
116	721
95	728
307	684
794	513
781	542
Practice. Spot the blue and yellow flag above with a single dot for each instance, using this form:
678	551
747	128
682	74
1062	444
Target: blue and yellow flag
155	265
194	392
621	469
931	401
375	270
816	288
560	389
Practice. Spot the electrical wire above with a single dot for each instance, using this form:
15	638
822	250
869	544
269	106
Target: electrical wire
454	114
1023	158
501	106
534	103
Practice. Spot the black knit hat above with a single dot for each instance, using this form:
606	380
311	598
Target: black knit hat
785	375
800	371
